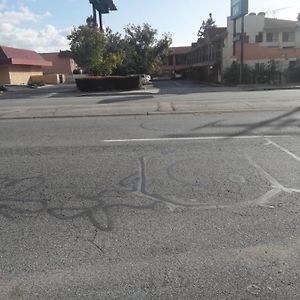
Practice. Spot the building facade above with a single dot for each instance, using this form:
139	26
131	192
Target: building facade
266	39
17	66
204	61
62	63
176	60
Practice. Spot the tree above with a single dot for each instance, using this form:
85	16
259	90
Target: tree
143	51
90	21
209	23
90	51
298	18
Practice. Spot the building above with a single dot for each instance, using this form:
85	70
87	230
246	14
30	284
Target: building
204	61
62	63
176	60
17	66
266	39
61	69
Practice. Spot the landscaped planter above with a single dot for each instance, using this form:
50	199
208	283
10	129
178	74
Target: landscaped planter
108	83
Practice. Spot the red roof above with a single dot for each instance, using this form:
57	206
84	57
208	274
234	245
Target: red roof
14	56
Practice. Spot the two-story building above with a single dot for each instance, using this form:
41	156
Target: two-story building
204	61
265	39
176	60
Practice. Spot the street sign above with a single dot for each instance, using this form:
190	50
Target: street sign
239	8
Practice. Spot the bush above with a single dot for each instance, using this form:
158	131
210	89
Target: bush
293	74
36	83
263	73
232	74
108	83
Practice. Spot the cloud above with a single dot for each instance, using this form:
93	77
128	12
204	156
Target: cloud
20	16
15	31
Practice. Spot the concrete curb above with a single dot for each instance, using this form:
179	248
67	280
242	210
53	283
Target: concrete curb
154	113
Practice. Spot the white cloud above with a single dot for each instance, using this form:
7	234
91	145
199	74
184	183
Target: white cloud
20	16
15	32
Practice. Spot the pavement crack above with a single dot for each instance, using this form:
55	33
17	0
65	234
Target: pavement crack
92	241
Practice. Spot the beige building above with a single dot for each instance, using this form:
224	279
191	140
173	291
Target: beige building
18	65
265	39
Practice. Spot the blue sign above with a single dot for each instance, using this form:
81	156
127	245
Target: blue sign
239	8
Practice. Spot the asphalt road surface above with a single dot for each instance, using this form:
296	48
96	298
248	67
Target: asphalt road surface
202	206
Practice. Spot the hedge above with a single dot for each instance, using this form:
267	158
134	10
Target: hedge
108	83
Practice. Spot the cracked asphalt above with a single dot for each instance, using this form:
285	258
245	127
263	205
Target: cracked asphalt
203	206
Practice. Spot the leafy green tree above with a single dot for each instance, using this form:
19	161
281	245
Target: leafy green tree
143	51
209	23
91	52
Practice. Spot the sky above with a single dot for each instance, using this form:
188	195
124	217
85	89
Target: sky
42	25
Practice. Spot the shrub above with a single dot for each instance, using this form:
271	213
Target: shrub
232	74
293	73
36	83
108	83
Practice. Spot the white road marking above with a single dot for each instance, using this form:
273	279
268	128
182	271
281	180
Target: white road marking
200	138
277	187
283	149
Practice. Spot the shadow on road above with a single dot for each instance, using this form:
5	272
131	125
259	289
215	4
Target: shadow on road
125	99
274	125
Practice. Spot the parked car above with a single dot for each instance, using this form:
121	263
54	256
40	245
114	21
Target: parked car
145	78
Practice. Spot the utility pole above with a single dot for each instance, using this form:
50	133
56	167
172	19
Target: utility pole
242	50
234	37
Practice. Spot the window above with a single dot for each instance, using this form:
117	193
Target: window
288	36
272	37
180	59
246	39
292	63
259	38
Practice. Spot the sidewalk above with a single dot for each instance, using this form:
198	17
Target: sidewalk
156	103
156	107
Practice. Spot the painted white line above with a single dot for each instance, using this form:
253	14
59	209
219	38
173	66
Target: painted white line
277	187
275	184
201	138
283	149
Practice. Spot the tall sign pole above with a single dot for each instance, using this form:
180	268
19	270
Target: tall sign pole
239	8
103	7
